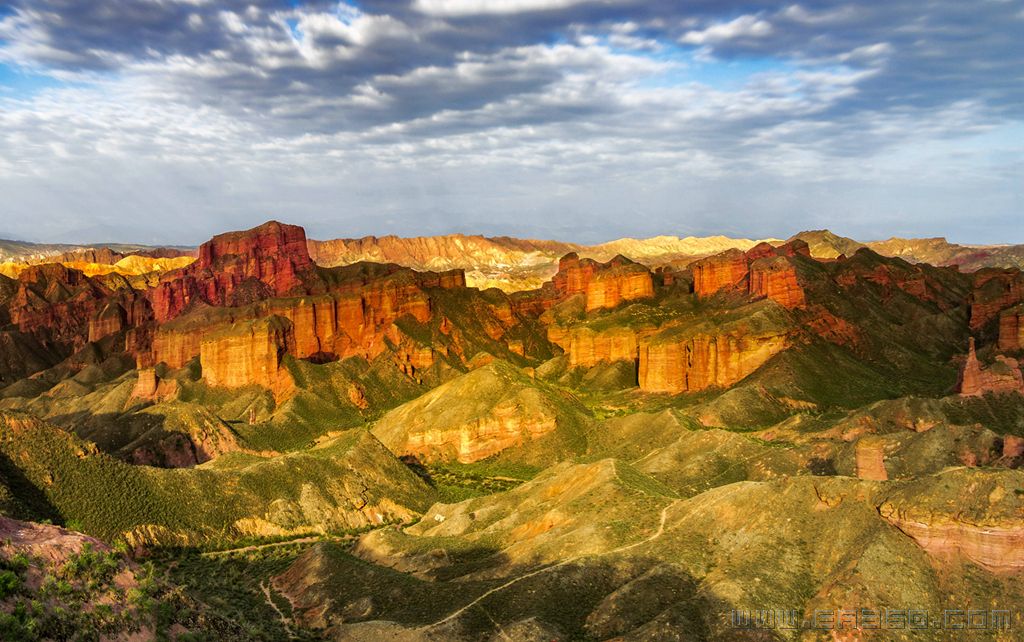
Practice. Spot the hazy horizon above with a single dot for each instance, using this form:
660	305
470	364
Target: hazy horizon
327	237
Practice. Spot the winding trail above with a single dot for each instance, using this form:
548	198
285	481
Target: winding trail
657	533
286	621
257	547
621	549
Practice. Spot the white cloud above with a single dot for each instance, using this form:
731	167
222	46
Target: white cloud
481	7
747	26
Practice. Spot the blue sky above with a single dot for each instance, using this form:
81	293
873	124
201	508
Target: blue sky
170	120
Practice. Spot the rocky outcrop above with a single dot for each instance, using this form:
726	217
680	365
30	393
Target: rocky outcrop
719	272
151	387
764	271
481	438
110	320
1011	329
62	306
964	512
604	285
776	279
250	353
1004	375
238	268
701	361
618	281
994	291
587	347
356	319
491	409
870	459
996	548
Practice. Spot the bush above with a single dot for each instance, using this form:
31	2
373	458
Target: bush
10	583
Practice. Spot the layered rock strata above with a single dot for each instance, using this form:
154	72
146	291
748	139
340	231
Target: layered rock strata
1003	376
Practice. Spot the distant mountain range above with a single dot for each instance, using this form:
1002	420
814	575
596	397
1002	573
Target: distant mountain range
514	264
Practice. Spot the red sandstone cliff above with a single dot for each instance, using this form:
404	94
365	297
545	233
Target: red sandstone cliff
1002	376
604	285
238	268
250	353
1011	329
63	307
763	272
700	361
994	290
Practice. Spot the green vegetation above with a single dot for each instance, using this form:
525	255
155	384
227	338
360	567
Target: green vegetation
321	488
231	587
92	593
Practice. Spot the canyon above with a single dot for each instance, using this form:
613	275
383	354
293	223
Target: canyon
629	408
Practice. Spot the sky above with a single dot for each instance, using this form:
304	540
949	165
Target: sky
166	121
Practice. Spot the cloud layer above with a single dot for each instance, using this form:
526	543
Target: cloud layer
583	119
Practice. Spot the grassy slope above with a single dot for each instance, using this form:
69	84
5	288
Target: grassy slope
109	498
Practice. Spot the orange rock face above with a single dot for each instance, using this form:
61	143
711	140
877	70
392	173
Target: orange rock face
999	548
870	459
1011	329
573	274
703	361
586	347
994	290
110	320
62	306
1002	376
506	427
150	387
719	272
353	320
605	285
250	353
775	278
238	268
609	288
764	272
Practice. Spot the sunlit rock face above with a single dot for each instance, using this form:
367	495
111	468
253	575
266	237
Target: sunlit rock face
994	290
238	268
1004	375
1011	329
776	279
250	353
764	271
704	361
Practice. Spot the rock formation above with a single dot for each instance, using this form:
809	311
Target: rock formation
617	281
993	291
478	415
965	512
238	268
1011	329
109	320
699	361
63	307
150	387
1004	375
719	272
764	271
354	319
870	459
250	354
604	285
776	279
587	347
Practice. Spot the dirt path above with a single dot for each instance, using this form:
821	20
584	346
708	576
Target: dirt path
621	549
657	533
286	622
257	547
